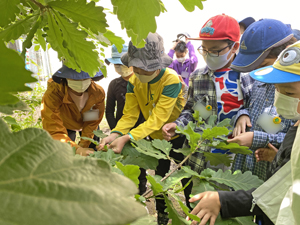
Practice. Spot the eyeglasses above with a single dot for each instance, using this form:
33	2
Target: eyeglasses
214	53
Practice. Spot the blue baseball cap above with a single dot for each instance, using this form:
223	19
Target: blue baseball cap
257	42
68	73
246	22
115	55
296	34
286	69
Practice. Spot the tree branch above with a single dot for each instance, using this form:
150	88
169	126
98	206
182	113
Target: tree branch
38	4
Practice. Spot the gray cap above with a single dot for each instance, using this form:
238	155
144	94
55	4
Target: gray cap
149	58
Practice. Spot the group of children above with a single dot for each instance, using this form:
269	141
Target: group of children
151	103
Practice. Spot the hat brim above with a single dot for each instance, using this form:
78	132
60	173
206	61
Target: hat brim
200	39
271	75
113	61
68	73
147	65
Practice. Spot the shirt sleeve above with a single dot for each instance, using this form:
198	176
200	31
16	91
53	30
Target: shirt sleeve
90	126
171	54
160	113
131	112
111	106
193	57
261	139
50	113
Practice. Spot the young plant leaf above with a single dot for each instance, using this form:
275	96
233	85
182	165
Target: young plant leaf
100	134
173	214
162	145
215	132
184	151
175	178
130	171
234	148
190	5
10	108
156	185
190	134
91	140
217	158
8	11
146	148
113	39
108	156
41	39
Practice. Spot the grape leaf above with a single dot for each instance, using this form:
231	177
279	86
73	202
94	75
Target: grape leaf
88	15
217	158
9	108
146	148
162	145
237	180
141	21
113	39
130	171
78	47
156	185
190	5
40	176
173	214
8	11
14	75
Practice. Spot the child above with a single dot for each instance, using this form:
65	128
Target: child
260	46
155	91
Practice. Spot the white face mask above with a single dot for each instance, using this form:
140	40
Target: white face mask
181	60
146	78
286	106
124	71
215	63
79	85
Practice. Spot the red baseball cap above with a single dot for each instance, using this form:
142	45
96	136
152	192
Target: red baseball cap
220	27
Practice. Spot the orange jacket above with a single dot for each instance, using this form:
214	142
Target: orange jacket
60	113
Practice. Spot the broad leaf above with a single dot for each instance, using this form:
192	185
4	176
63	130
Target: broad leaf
237	180
234	148
9	108
113	39
146	148
133	157
41	39
156	185
215	132
184	151
173	214
8	11
130	171
235	221
212	120
44	184
88	15
141	21
175	178
190	134
13	75
190	5
91	140
162	145
100	134
108	156
217	158
147	220
224	123
78	47
10	120
200	186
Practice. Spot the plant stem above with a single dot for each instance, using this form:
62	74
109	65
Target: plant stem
38	4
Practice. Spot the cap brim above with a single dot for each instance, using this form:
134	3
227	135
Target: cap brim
200	39
68	73
113	61
272	75
152	65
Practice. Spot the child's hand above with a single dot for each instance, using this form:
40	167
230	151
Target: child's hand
168	131
107	140
244	139
118	144
266	154
174	45
208	208
84	151
242	123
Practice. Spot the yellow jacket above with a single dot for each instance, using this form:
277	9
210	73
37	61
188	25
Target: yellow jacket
161	101
60	113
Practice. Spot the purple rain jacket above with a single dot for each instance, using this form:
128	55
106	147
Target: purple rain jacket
189	64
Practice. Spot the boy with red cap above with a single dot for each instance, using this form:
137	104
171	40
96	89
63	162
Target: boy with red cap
215	89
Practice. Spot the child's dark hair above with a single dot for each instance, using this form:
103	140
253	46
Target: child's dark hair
181	47
274	53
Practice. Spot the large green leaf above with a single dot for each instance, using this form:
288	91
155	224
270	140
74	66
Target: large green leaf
146	220
217	158
189	5
215	132
42	183
8	11
173	214
130	171
88	15
15	30
237	180
192	136
9	108
162	145
156	185
175	178
113	39
78	47
100	134
146	148
233	147
138	16
41	39
108	156
13	75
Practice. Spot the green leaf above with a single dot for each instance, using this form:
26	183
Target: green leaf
156	185
10	120
100	134
91	140
9	108
237	180
113	39
141	21
130	171
14	31
146	220
215	132
108	156
48	178
14	75
200	186
88	15
78	47
217	158
41	39
173	214
133	157
146	148
184	151
224	123
8	11
174	179
190	5
162	145
234	148
192	136
212	120
245	220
